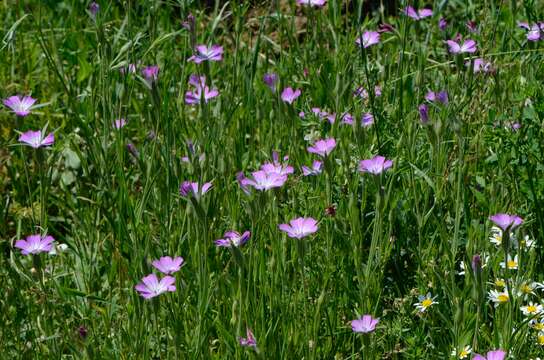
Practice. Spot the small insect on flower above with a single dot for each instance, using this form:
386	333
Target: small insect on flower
21	106
188	188
119	123
462	353
531	309
417	14
506	221
323	147
376	165
300	227
468	46
365	324
151	286
168	265
425	302
35	244
249	340
204	53
36	139
289	95
491	355
233	238
316	169
499	297
368	39
511	264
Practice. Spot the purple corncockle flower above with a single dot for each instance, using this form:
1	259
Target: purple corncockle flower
243	182
271	80
132	150
200	90
167	265
364	324
129	69
533	31
289	95
150	73
368	38
151	286
363	93
190	23
300	227
36	139
323	147
505	221
302	114
35	244
440	96
476	263
367	120
472	26
480	65
21	106
386	28
263	180
376	165
94	8
204	53
468	46
188	188
347	119
417	14
119	123
317	168
491	355
276	166
442	24
322	114
424	113
316	3
249	340
233	238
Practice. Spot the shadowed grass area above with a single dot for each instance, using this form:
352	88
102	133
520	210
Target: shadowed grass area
412	241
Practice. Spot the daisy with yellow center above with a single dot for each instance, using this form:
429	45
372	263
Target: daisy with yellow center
463	353
531	309
499	297
425	302
496	236
500	283
538	325
526	289
540	339
511	264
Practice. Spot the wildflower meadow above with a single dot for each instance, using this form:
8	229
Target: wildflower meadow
281	179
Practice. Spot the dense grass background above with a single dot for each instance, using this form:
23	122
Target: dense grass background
117	212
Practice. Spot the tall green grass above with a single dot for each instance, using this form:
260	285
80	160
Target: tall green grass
390	239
